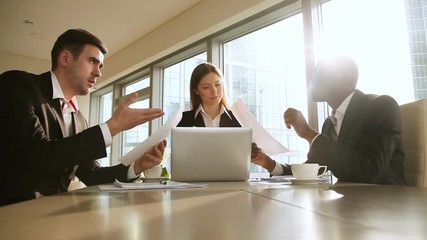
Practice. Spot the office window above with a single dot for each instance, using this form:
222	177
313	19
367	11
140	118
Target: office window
105	113
176	88
375	33
264	65
176	84
132	137
417	19
263	61
266	69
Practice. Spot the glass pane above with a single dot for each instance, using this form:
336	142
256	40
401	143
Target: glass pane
379	43
176	84
105	113
416	18
266	69
176	89
136	86
132	137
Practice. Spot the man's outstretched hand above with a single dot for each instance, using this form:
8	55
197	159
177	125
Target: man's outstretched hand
125	118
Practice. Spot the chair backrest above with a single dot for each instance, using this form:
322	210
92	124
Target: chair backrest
414	135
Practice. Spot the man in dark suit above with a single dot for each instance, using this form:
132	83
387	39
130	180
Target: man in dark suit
46	139
360	142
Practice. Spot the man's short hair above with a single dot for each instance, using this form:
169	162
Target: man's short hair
74	40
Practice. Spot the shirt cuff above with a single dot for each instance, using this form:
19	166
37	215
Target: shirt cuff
131	171
106	134
314	139
278	169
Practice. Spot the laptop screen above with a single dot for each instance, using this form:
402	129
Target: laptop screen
210	154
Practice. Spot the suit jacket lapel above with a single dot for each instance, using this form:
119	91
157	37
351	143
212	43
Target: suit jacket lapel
351	115
328	128
54	104
79	122
56	109
225	120
198	122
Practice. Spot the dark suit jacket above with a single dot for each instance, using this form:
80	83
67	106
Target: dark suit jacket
35	156
369	146
188	120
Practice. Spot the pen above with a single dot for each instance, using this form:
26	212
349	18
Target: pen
146	181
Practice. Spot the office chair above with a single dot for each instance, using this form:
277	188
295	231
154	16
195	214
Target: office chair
414	136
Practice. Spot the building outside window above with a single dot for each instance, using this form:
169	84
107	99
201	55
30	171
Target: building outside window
417	19
105	113
378	42
266	67
176	89
132	137
266	70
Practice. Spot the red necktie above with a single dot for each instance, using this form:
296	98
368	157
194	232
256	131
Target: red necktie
69	103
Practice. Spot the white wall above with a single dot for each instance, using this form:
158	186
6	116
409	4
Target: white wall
12	61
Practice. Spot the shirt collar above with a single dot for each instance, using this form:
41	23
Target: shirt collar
59	94
221	111
339	113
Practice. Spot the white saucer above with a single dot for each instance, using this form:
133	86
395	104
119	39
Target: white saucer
307	181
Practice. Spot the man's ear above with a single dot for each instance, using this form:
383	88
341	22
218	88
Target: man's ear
65	57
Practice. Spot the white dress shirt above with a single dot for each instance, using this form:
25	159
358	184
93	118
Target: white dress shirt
340	112
209	122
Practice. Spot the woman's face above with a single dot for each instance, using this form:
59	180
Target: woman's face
210	89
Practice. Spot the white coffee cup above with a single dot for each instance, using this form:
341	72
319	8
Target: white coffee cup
154	172
307	171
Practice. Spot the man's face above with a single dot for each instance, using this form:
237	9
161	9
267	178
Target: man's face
325	83
84	70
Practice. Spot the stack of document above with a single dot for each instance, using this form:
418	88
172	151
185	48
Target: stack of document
149	185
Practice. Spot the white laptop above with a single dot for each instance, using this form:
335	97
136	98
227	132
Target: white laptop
210	154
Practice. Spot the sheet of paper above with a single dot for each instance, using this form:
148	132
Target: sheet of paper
141	186
273	180
154	139
260	136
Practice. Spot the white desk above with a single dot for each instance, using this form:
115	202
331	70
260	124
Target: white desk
224	211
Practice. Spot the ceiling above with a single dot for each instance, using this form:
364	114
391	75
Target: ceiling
30	27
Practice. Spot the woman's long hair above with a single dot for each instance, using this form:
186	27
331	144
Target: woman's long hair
198	73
